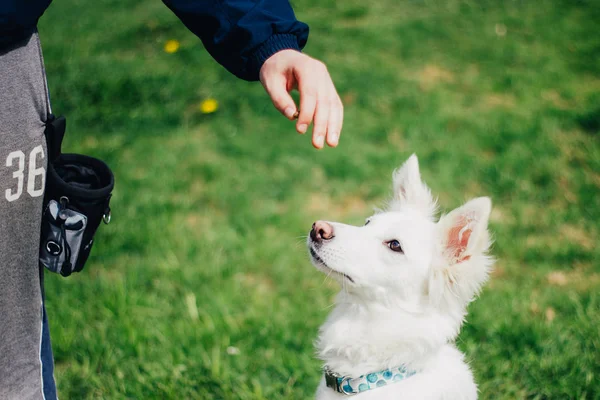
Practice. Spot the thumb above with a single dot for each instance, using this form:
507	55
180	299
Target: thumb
277	90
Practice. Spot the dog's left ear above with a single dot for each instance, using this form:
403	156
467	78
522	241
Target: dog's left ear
410	191
464	244
464	230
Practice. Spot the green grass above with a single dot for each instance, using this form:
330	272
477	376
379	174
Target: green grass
205	249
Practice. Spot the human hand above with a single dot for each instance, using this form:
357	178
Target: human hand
319	102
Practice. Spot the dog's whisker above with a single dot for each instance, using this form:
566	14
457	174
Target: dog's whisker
344	286
299	244
326	277
301	240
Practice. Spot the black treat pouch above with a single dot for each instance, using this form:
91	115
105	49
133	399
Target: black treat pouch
78	191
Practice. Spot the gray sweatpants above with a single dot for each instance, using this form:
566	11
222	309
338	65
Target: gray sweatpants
26	367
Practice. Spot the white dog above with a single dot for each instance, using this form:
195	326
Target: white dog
406	281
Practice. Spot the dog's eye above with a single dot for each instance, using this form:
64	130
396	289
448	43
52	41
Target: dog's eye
394	245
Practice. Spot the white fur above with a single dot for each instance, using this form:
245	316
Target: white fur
404	308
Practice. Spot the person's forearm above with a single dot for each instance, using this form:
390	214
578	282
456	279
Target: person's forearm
241	35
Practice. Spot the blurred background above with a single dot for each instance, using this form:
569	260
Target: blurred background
201	287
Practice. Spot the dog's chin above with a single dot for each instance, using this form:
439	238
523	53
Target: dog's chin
322	265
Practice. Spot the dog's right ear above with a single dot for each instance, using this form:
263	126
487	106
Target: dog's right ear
410	191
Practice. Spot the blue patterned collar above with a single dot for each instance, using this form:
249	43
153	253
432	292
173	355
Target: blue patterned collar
351	386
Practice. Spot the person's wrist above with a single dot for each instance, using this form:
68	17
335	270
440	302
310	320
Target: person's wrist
274	62
275	44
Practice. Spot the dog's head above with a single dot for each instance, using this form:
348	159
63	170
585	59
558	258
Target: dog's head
402	256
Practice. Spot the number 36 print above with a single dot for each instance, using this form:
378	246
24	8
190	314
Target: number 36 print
25	171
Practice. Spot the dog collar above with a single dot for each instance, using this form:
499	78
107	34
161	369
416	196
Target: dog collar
351	386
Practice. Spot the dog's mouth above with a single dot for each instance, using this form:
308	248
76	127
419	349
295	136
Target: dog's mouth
323	265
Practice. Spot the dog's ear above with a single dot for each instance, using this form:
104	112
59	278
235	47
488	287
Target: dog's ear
410	191
464	244
464	230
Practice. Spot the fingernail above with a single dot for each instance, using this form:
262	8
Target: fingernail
302	128
289	112
319	141
334	138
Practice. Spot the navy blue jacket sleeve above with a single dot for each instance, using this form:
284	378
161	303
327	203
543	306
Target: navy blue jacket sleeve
242	34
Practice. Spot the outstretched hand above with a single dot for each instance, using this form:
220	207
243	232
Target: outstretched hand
319	102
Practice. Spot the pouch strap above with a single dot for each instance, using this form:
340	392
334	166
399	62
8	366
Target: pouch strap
55	132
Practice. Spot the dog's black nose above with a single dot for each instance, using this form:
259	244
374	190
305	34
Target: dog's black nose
320	231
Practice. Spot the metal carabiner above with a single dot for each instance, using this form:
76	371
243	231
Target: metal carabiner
106	217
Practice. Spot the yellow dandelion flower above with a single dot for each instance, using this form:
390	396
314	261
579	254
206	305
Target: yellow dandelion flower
208	106
171	46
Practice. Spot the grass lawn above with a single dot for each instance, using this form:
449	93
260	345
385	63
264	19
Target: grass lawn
201	287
